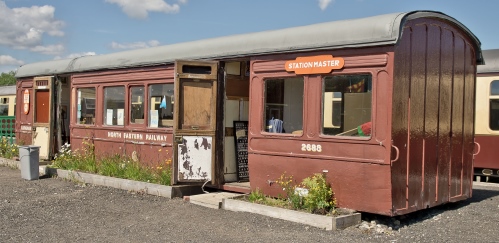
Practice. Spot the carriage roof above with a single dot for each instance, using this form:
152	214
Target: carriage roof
353	33
491	58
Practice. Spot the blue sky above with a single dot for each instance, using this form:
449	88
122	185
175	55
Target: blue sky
40	30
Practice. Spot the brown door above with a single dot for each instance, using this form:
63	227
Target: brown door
195	121
42	118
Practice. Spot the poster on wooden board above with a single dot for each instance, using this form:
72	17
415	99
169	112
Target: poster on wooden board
241	142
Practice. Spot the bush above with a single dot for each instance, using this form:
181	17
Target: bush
119	166
8	149
313	194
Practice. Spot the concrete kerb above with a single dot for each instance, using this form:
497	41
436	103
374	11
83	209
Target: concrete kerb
124	184
129	185
319	221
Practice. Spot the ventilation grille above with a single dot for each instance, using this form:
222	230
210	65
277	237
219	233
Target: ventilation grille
42	83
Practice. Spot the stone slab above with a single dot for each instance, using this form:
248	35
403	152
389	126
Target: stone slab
211	200
319	221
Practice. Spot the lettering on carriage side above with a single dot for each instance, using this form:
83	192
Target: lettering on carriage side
135	136
114	134
156	137
314	64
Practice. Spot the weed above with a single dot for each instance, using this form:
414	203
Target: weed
256	196
116	165
8	149
313	194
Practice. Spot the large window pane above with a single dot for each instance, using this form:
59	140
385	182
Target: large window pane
347	105
494	105
494	87
284	105
161	105
4	106
86	106
114	106
137	105
494	114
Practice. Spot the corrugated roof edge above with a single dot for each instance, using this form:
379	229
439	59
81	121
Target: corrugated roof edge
363	32
491	58
8	90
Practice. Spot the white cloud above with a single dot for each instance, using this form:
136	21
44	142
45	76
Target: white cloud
324	3
49	49
8	60
24	28
134	45
140	9
75	55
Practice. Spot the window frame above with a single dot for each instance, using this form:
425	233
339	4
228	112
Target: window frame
322	115
130	103
104	109
490	98
263	128
147	122
79	104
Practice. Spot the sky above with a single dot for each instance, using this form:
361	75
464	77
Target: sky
42	30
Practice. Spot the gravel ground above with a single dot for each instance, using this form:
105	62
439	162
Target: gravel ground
55	210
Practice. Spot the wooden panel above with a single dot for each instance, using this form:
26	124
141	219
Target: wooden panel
444	117
468	120
416	117
457	119
196	101
431	116
42	109
400	114
237	86
195	158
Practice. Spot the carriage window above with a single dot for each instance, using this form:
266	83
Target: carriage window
137	105
284	105
494	106
86	106
161	105
4	106
347	105
114	105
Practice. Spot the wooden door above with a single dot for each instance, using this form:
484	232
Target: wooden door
195	121
42	117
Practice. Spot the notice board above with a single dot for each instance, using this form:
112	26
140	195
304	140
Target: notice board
241	142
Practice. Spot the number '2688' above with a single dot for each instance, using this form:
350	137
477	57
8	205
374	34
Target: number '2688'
311	147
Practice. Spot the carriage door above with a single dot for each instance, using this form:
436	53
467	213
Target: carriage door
42	116
195	121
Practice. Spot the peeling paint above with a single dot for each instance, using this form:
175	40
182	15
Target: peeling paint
195	163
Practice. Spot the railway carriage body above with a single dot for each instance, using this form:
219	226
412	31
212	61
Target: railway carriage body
487	116
382	105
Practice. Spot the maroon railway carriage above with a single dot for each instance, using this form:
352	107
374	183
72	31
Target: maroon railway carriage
382	105
486	162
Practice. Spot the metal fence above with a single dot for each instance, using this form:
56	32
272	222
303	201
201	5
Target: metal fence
8	127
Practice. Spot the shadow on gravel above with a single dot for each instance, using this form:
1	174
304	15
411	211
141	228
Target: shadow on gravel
431	213
45	177
482	194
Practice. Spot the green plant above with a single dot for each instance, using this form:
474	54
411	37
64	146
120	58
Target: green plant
289	187
313	194
320	197
116	165
8	149
257	196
